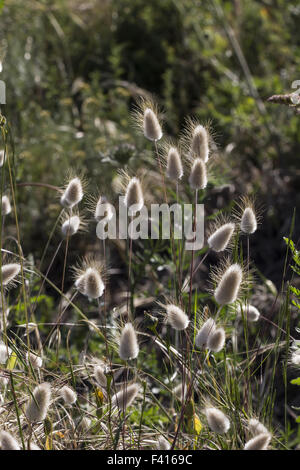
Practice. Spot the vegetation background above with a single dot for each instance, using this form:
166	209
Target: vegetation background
73	70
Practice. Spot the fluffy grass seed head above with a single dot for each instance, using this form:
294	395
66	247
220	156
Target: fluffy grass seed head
163	444
198	175
205	331
216	340
35	360
132	187
217	420
256	427
248	221
94	286
176	317
125	396
252	313
197	140
6	207
73	193
220	236
9	272
89	278
259	442
134	199
247	214
146	117
151	125
102	207
200	143
70	226
174	168
128	346
68	395
8	442
37	407
100	376
229	279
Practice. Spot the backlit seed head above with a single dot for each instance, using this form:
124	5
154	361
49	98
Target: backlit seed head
216	340
125	397
6	207
196	140
217	420
199	143
70	226
8	442
176	317
37	407
103	210
228	288
35	361
251	313
89	278
198	176
68	395
94	286
100	376
259	442
256	427
152	128
128	347
203	334
9	272
174	169
219	239
146	117
247	214
134	200
163	444
248	221
80	284
73	193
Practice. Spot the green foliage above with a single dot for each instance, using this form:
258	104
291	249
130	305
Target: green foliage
296	381
296	268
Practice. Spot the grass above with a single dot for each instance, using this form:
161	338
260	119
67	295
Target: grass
176	381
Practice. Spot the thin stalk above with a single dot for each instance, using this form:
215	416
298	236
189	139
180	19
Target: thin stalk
192	261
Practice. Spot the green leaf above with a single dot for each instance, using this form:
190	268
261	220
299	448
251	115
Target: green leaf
12	361
296	381
197	424
295	291
296	304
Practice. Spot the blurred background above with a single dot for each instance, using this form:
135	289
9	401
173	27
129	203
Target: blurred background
73	70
